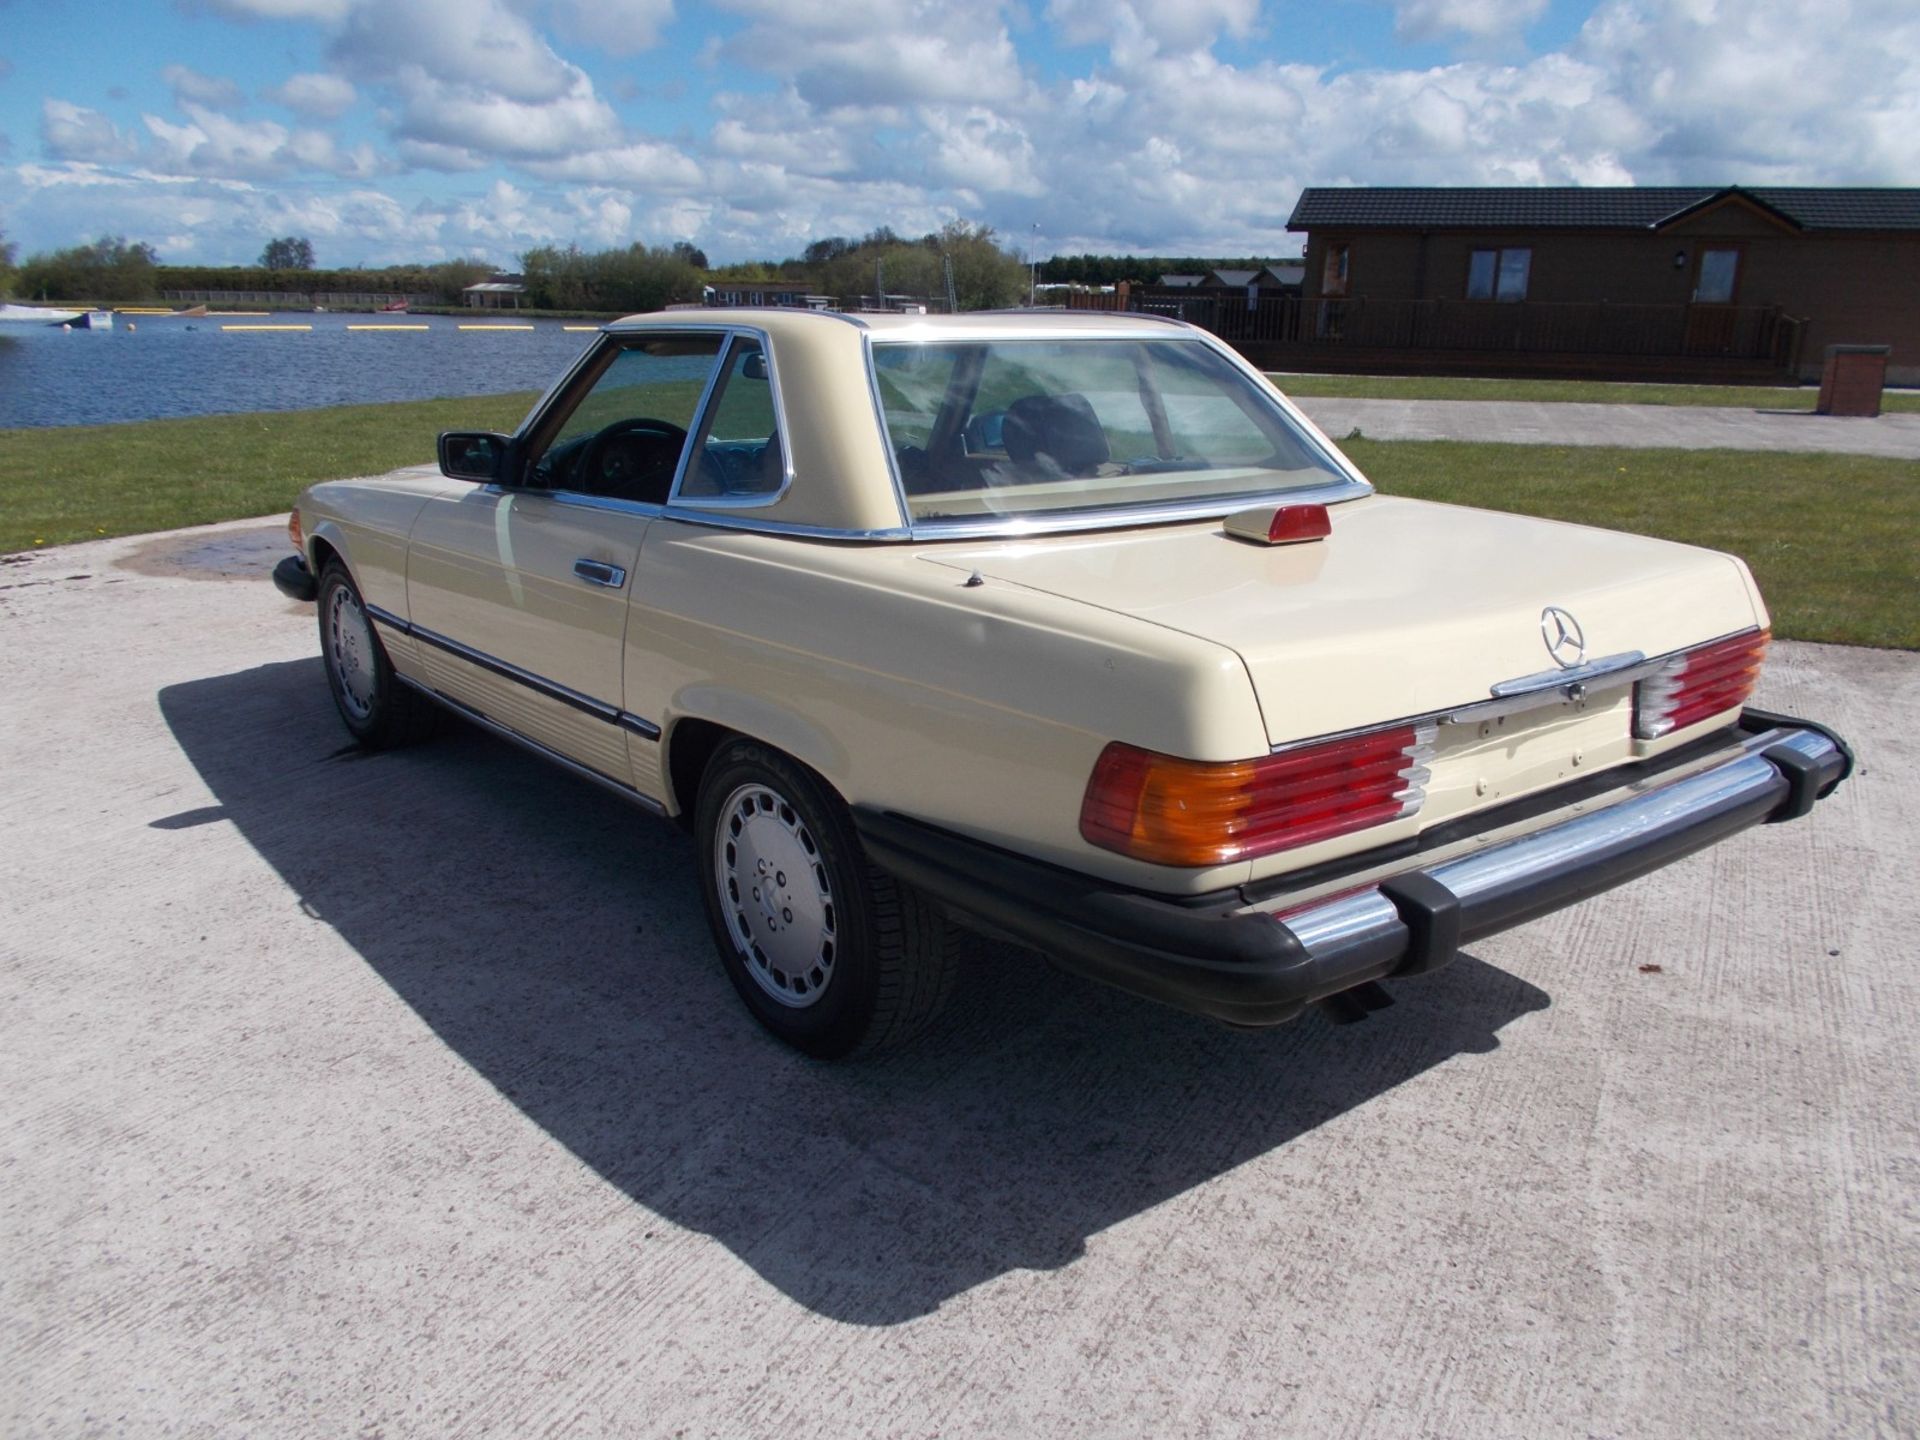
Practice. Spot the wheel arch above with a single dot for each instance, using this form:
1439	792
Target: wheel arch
707	718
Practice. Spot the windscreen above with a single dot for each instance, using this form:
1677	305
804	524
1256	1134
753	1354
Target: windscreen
1037	428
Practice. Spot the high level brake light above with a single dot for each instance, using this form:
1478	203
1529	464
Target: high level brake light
1698	684
1170	811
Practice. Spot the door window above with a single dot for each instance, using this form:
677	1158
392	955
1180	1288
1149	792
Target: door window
1719	271
622	437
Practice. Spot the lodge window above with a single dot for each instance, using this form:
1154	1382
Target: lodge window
1333	271
1719	273
1499	274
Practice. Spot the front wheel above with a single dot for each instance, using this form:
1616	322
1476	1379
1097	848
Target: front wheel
378	710
829	954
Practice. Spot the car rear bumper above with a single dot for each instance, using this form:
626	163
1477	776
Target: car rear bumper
1262	964
293	579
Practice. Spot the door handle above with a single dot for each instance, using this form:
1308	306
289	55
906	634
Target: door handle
598	572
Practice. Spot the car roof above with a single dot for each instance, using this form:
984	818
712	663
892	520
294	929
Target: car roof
782	322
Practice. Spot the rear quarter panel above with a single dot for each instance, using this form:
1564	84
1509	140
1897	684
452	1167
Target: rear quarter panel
979	708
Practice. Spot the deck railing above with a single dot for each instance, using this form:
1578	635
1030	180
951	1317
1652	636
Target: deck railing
1732	332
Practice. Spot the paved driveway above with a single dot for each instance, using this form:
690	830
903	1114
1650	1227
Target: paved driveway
1684	427
347	1096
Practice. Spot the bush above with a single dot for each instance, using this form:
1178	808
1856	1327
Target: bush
640	277
109	271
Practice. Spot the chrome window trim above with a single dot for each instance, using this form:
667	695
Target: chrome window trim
1067	522
701	420
689	516
1354	485
524	431
507	670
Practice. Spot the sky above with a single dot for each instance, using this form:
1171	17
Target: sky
392	131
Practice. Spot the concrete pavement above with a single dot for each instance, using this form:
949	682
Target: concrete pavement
403	1096
1683	427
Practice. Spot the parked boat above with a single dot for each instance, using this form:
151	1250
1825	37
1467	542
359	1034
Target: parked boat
37	315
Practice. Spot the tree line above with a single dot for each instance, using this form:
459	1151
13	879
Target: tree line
1138	269
963	260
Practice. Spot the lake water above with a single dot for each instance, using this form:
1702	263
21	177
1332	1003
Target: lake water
151	367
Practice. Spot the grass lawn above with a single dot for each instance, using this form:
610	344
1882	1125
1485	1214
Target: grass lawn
85	481
1594	392
1834	540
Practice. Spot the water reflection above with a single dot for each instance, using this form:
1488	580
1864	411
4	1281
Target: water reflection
151	367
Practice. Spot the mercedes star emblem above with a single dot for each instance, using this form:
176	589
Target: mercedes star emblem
1561	631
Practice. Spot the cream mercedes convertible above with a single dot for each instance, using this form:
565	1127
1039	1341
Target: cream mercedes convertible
1066	629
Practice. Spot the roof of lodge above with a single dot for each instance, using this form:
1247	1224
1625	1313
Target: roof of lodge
1594	207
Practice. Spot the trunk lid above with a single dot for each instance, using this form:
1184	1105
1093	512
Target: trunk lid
1408	608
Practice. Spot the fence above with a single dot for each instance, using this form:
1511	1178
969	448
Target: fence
1527	328
298	299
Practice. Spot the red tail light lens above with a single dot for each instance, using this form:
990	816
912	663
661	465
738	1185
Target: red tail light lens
1169	811
1699	684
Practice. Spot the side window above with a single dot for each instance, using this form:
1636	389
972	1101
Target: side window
739	454
1499	274
624	433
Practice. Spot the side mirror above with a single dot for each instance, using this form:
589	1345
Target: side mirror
754	366
472	455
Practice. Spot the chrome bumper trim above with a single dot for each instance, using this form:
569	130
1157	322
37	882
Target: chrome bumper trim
1396	923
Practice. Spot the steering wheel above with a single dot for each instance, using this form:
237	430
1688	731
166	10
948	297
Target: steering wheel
632	460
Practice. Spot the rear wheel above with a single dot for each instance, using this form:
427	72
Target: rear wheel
829	954
378	710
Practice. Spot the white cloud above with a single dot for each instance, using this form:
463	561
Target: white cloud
214	92
1138	27
620	27
1421	20
73	132
322	10
878	53
1766	90
479	47
910	113
317	96
641	165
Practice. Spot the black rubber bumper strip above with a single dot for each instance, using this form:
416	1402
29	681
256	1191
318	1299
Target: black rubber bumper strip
293	580
1213	956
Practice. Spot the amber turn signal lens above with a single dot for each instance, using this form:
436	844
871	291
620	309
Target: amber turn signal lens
295	533
1169	811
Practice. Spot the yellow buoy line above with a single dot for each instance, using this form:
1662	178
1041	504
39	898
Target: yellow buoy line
266	327
389	327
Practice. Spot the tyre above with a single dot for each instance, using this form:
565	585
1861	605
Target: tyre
379	711
828	953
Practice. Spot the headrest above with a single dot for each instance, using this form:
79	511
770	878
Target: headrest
1062	428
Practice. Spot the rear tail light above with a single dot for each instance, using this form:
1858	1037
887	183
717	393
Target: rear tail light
1698	684
1169	811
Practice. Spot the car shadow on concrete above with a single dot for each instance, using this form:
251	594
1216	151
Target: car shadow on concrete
552	936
